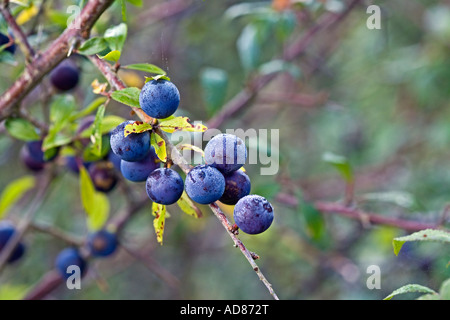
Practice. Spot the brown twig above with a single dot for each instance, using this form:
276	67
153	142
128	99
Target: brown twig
57	51
19	35
57	233
358	214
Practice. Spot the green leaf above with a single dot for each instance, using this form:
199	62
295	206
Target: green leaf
128	96
21	129
249	48
188	206
137	3
341	164
146	67
214	84
92	46
410	288
181	124
96	204
157	77
116	36
159	211
160	146
136	127
14	191
124	10
423	235
90	153
61	110
276	66
57	17
55	139
315	223
110	122
444	291
96	135
89	109
113	56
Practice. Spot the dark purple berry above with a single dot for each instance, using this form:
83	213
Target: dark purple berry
65	76
102	243
4	39
7	230
237	186
103	176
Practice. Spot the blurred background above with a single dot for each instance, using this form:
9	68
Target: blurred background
377	97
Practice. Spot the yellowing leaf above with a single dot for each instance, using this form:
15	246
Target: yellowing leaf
27	14
96	204
181	124
98	87
188	206
13	191
423	235
160	146
136	127
159	211
191	147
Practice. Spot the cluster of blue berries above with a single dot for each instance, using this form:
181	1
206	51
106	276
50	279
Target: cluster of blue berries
220	179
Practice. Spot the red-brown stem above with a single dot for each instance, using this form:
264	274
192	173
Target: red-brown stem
361	215
58	50
20	37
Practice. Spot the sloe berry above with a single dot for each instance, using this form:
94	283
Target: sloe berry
159	98
253	214
205	184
